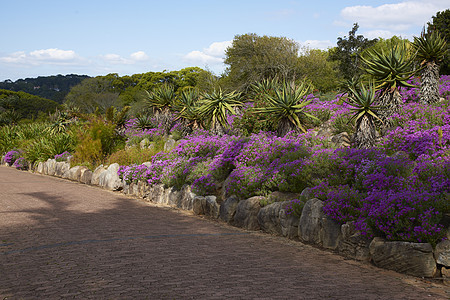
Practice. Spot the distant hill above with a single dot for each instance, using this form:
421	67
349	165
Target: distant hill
50	87
27	106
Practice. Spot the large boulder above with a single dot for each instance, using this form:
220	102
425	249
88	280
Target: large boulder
50	167
186	198
269	217
61	168
442	253
353	244
85	176
74	173
169	145
414	259
330	233
199	205
157	194
289	224
40	168
247	213
310	222
110	179
95	180
228	209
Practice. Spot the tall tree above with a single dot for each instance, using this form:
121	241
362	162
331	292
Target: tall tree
347	53
441	23
252	58
314	64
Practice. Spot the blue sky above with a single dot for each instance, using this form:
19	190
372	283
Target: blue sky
97	37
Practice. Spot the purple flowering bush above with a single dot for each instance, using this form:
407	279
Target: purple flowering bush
63	156
21	164
390	196
11	156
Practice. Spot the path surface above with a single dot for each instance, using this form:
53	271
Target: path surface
60	239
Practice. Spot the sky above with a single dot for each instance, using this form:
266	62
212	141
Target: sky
98	37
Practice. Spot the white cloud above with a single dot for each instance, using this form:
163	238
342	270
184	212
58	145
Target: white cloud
134	58
213	55
397	17
374	34
139	56
53	54
316	44
43	56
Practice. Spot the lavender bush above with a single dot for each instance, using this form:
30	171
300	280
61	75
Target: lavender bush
11	156
21	164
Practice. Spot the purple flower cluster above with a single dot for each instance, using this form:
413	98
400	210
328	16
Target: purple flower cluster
11	156
21	164
63	156
390	196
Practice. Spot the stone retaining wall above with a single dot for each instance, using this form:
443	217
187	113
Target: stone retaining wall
313	227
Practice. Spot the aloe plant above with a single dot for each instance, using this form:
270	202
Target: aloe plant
390	70
216	106
431	48
285	105
187	107
362	99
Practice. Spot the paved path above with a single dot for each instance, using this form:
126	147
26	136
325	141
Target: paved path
60	239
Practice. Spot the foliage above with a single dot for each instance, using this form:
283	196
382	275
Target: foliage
441	23
295	207
92	94
216	106
49	87
347	53
97	140
285	105
63	156
252	58
321	71
25	105
161	98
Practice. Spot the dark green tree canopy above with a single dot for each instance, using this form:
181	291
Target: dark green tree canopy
252	58
347	52
441	23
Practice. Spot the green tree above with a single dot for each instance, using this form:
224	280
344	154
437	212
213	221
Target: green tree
252	58
315	65
441	23
347	53
93	94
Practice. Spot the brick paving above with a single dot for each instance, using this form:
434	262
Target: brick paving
60	239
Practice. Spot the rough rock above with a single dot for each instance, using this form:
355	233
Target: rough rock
72	174
51	167
172	196
169	145
156	194
352	244
86	176
110	179
341	140
228	209
95	180
3	160
289	224
186	198
144	143
306	194
414	259
330	233
310	221
281	197
247	213
199	205
61	167
40	168
442	253
143	188
269	217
